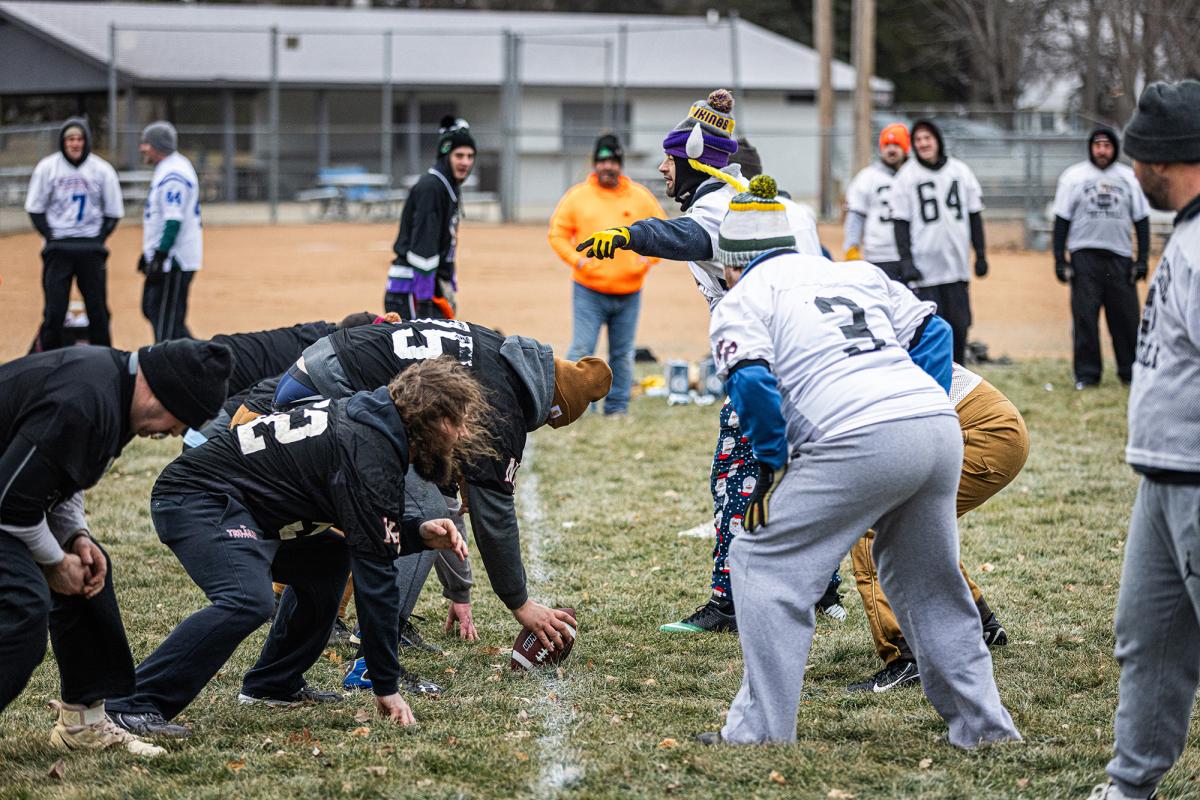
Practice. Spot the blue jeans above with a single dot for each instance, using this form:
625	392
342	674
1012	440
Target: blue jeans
620	313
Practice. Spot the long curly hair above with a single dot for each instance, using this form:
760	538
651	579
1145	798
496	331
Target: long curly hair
440	389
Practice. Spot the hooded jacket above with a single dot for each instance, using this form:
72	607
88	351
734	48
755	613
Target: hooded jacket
75	122
74	204
588	207
518	376
427	243
1104	130
932	127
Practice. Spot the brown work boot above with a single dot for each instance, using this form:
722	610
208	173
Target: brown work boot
81	727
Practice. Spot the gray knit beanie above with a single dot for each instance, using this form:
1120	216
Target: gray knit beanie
161	136
1166	126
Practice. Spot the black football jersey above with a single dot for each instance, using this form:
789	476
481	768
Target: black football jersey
264	354
371	355
299	472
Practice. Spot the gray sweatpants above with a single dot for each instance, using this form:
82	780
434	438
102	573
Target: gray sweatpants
413	570
1158	635
899	477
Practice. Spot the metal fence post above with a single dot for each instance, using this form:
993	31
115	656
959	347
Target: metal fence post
273	122
113	114
386	110
229	145
735	62
1030	209
510	153
622	64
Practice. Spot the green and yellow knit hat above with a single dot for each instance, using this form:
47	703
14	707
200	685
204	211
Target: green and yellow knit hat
755	223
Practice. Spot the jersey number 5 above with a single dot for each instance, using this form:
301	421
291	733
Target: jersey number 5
316	421
857	329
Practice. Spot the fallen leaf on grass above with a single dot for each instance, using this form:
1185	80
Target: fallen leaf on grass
925	763
363	715
57	770
522	715
317	753
521	756
667	744
138	769
452	740
649	682
616	719
362	731
493	678
1023	783
267	742
333	656
987	568
840	794
673	787
236	765
378	772
777	777
303	737
513	736
490	650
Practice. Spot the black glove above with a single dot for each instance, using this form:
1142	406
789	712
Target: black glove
1140	268
981	267
909	273
768	480
1063	271
155	266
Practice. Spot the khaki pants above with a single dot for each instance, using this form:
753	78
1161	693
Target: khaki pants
243	416
995	446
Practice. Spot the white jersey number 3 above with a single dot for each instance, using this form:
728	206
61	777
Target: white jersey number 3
316	421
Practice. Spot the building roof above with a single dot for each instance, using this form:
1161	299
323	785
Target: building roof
199	44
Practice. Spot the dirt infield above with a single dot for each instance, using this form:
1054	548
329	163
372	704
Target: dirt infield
260	277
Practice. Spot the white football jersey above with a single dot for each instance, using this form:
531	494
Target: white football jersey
870	195
962	383
74	199
829	334
936	204
174	194
1101	205
709	212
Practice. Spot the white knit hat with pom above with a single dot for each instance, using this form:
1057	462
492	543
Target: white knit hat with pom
755	223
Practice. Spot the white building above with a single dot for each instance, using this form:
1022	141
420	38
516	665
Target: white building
367	87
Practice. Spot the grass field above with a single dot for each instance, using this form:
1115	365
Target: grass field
601	503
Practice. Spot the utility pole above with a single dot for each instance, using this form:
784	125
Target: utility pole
864	67
823	34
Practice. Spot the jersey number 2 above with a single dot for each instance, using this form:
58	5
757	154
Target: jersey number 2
857	329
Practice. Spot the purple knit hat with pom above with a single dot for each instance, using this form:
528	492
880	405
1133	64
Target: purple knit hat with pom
714	120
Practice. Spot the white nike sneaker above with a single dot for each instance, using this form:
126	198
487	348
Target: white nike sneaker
1109	791
81	727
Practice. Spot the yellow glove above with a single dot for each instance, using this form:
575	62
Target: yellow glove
854	254
605	243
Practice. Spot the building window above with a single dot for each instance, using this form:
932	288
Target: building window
583	122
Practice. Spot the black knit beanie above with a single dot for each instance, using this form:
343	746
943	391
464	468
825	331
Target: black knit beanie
1166	126
453	134
748	158
608	146
188	377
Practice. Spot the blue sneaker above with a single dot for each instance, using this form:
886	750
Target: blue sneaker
356	677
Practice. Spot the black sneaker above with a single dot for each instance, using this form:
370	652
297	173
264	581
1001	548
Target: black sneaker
894	675
149	724
340	635
411	683
411	637
305	695
715	616
994	634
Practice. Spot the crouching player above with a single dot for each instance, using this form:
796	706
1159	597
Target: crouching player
256	502
830	402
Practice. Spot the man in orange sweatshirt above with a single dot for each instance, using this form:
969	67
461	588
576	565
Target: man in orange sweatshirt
606	292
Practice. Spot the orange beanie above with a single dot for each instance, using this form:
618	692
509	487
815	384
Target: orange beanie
894	134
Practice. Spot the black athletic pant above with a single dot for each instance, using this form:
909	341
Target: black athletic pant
88	637
165	302
220	545
953	305
1102	280
410	308
84	261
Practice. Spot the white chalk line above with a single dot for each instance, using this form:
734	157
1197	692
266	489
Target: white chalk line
562	765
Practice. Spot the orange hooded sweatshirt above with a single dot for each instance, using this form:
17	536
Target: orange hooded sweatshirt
588	207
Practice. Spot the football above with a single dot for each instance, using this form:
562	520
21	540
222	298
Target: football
529	654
